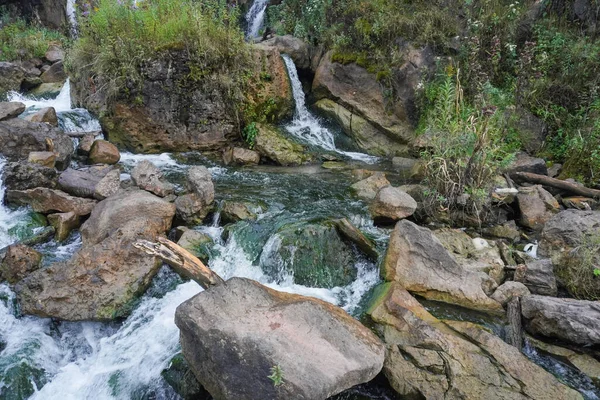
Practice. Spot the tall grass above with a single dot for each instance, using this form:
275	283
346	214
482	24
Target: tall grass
118	37
22	41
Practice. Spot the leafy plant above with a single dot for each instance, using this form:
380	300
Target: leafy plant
249	134
276	375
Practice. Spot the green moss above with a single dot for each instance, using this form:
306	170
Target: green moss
378	296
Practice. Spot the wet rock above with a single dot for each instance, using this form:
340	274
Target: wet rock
538	276
181	378
417	260
54	54
102	280
195	206
199	181
241	156
44	200
85	144
54	74
525	163
11	75
148	177
44	158
232	212
30	83
46	115
47	90
368	188
314	254
273	145
508	290
537	206
63	224
103	152
294	47
10	109
18	138
23	176
567	230
575	321
125	208
426	358
366	136
18	262
245	323
196	243
392	204
354	235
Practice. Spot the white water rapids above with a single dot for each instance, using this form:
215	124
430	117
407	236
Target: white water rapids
255	18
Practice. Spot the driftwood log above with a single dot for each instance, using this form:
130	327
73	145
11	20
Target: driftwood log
181	260
522	177
514	334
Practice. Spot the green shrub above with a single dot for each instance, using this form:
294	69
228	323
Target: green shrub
118	37
22	41
467	146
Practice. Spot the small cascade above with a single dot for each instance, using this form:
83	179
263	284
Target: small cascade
255	18
72	17
306	127
8	218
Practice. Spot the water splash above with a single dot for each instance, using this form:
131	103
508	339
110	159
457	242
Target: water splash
8	218
306	127
72	17
255	18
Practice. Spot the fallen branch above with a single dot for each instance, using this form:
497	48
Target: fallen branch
544	180
181	260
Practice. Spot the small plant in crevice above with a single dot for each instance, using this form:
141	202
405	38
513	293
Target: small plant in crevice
249	134
276	375
579	269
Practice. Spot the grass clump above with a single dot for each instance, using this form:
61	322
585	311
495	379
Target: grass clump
467	146
21	41
579	270
118	37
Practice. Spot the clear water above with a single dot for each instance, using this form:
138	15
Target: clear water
255	18
307	127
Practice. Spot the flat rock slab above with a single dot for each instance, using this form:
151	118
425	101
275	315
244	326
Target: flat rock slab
44	200
233	334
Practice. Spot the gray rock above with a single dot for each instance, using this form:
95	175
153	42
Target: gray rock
319	349
367	189
296	48
526	163
199	181
10	109
54	54
148	177
18	138
11	76
46	114
566	230
508	290
54	74
85	144
392	204
417	260
538	276
191	209
575	321
23	176
98	182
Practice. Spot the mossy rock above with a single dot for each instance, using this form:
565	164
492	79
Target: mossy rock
313	253
181	378
251	236
20	381
26	227
272	144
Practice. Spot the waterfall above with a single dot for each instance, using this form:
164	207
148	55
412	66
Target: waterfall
71	16
306	127
255	17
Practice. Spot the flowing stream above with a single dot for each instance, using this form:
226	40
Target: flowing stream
124	360
255	18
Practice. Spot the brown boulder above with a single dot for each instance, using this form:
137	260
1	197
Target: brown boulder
44	158
241	156
368	188
63	224
44	200
46	115
537	206
18	262
103	152
392	204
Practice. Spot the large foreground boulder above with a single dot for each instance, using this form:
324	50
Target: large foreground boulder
576	321
102	280
235	335
418	261
18	138
427	358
